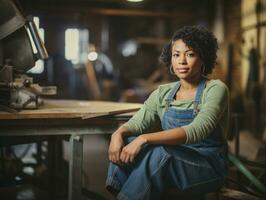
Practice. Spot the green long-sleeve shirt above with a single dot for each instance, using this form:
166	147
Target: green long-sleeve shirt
214	111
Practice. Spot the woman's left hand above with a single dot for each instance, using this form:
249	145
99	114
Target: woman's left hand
130	151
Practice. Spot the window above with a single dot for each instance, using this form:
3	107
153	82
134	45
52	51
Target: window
72	45
76	45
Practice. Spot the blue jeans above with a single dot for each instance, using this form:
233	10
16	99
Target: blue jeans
159	167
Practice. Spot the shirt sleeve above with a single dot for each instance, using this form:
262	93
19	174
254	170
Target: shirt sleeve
146	118
212	109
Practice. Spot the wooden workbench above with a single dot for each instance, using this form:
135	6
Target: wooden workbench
63	109
65	118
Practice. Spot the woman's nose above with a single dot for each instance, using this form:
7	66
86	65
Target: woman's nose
182	59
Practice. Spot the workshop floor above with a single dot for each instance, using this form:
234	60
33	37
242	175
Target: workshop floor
95	164
24	192
95	168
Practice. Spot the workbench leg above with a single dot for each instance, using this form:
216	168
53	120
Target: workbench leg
75	168
52	181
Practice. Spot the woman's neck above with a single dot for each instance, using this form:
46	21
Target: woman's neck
190	84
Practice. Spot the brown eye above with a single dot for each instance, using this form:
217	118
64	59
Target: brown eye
190	55
175	55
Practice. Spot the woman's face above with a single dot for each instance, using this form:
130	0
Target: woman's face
186	62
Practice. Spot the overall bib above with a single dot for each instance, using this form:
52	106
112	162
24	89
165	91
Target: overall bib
194	169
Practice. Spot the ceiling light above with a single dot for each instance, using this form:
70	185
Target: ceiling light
135	0
92	56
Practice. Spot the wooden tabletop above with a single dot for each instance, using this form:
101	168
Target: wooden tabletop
72	109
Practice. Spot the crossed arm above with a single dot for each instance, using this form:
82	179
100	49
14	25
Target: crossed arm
123	154
212	112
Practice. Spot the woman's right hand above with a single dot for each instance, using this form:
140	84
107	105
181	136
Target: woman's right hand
115	147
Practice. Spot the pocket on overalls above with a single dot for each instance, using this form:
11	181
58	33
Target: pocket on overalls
170	122
184	122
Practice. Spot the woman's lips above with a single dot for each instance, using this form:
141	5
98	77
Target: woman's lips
182	70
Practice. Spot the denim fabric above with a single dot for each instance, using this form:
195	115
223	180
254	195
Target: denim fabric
192	168
143	178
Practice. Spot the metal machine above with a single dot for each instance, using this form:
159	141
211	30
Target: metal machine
17	90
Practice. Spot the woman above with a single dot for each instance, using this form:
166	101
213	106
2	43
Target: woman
189	152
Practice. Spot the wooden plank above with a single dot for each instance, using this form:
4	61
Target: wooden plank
231	194
72	109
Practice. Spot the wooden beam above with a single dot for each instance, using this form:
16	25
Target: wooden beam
132	13
109	12
152	40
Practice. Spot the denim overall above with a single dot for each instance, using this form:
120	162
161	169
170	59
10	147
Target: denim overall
194	169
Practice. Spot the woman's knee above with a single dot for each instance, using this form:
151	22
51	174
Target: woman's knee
155	156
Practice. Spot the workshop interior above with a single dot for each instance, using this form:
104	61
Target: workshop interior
71	52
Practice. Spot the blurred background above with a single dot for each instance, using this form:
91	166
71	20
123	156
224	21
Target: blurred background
109	50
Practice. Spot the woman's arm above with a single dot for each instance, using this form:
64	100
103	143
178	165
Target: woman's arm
144	119
116	144
213	113
167	137
216	102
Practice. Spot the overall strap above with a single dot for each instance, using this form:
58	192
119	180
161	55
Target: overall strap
171	95
198	96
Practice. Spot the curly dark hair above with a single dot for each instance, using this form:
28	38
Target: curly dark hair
200	40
